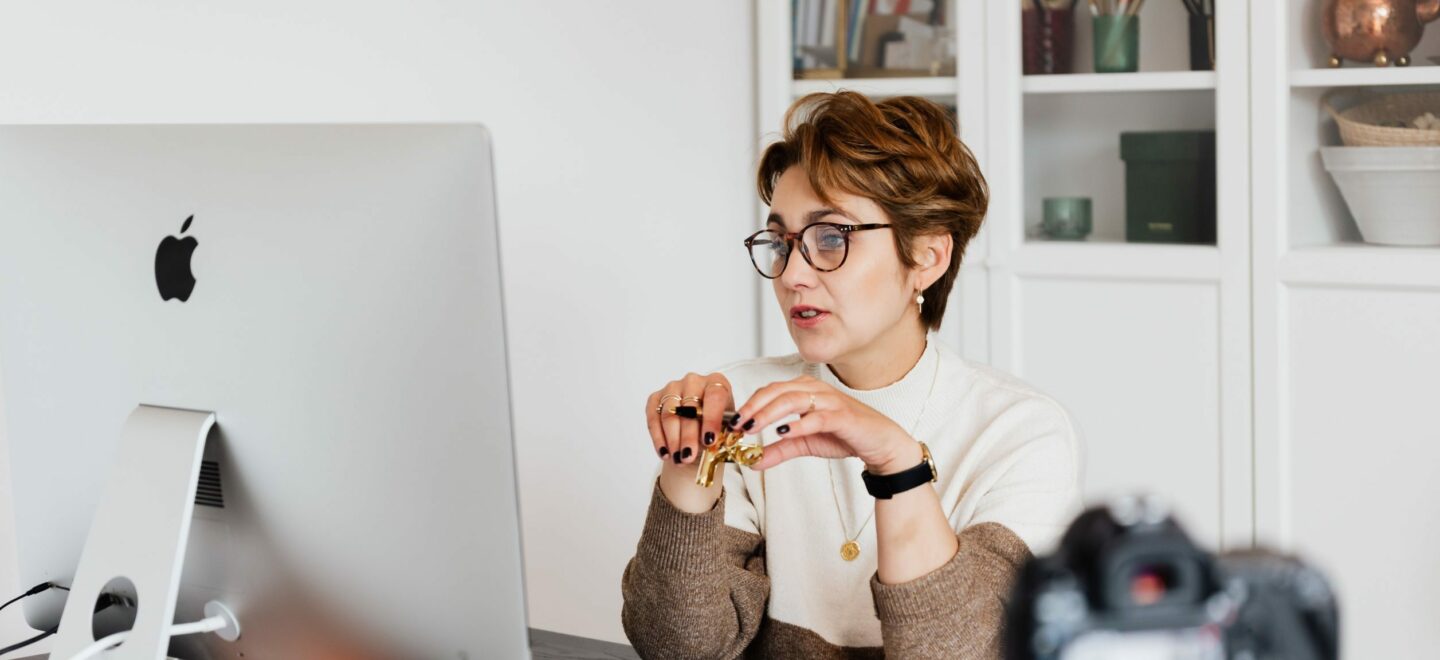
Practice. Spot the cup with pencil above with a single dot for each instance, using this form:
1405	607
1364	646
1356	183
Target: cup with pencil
1117	35
1202	34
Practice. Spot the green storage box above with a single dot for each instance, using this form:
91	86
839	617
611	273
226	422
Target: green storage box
1169	186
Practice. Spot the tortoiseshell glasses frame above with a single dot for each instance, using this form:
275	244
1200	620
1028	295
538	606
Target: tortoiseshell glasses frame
816	237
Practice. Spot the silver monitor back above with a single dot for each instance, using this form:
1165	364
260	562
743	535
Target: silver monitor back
346	328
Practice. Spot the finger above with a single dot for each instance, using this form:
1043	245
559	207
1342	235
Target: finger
652	420
763	396
657	435
823	445
717	399
669	423
691	390
815	423
792	402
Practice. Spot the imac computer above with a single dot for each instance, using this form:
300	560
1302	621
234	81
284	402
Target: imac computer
260	369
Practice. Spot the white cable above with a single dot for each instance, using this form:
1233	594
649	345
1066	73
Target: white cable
220	620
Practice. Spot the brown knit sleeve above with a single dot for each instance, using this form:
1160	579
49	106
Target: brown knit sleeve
696	587
957	610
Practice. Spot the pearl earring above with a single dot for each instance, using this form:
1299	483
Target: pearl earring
920	299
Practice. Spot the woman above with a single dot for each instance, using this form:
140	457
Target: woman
871	208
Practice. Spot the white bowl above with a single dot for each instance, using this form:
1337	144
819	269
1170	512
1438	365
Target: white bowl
1393	192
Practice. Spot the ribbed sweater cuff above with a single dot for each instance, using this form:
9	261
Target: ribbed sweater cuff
920	599
680	541
983	567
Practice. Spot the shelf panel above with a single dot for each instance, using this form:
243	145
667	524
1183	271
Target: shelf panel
1126	261
1362	265
1360	75
881	87
1143	81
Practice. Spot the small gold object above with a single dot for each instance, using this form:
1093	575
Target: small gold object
727	448
850	551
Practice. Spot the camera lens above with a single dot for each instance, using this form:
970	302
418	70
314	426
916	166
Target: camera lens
1150	583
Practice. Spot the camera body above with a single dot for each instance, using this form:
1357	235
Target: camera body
1127	582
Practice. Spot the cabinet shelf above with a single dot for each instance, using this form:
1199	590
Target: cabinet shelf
1361	264
1145	81
1364	76
930	86
1115	260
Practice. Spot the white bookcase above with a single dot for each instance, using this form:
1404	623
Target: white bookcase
1279	386
1347	352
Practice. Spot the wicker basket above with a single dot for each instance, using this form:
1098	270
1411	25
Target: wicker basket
1385	120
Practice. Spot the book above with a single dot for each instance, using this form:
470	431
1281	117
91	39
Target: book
859	9
797	62
827	30
812	32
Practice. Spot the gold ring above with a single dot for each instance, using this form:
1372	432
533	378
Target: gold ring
688	398
812	403
661	406
717	384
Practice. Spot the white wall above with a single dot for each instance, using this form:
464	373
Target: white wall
619	127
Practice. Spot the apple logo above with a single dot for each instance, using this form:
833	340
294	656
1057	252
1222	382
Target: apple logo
172	265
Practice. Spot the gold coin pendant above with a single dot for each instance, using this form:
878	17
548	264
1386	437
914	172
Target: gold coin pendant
850	551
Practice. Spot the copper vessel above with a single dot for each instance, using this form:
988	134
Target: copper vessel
1379	31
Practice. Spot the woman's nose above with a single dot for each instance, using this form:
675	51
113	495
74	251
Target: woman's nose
798	272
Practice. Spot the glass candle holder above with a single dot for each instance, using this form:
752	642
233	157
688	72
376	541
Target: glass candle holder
1067	218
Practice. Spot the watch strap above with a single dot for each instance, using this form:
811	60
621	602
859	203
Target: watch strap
888	485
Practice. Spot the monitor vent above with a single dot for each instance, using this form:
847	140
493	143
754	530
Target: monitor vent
208	492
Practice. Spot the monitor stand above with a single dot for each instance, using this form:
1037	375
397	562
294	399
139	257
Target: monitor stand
139	532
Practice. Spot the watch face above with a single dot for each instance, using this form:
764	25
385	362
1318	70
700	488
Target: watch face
934	476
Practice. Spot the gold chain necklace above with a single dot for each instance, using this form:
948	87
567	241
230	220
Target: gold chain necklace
850	550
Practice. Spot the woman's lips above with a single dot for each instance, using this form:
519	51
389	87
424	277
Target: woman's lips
802	322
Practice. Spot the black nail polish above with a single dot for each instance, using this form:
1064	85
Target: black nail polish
709	438
685	454
749	424
664	451
784	428
676	456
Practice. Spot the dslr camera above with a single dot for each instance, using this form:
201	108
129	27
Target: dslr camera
1126	582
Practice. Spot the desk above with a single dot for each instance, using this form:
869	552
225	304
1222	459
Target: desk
547	645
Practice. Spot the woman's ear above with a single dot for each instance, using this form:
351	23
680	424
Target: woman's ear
933	258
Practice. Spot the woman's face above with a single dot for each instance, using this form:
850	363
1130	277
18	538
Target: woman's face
870	297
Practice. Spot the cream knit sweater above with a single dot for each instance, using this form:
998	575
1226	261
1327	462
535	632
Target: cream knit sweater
1005	454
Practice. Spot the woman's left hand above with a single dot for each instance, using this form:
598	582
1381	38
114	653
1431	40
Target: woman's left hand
837	427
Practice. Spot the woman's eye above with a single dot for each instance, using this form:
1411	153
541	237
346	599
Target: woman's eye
831	240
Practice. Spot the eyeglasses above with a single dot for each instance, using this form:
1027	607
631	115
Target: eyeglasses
823	244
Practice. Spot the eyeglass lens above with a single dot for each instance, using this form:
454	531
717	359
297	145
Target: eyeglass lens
824	247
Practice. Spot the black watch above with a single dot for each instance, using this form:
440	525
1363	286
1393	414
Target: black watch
886	486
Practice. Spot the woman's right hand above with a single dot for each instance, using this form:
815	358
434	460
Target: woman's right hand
678	441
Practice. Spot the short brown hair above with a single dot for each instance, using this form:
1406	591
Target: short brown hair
902	153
